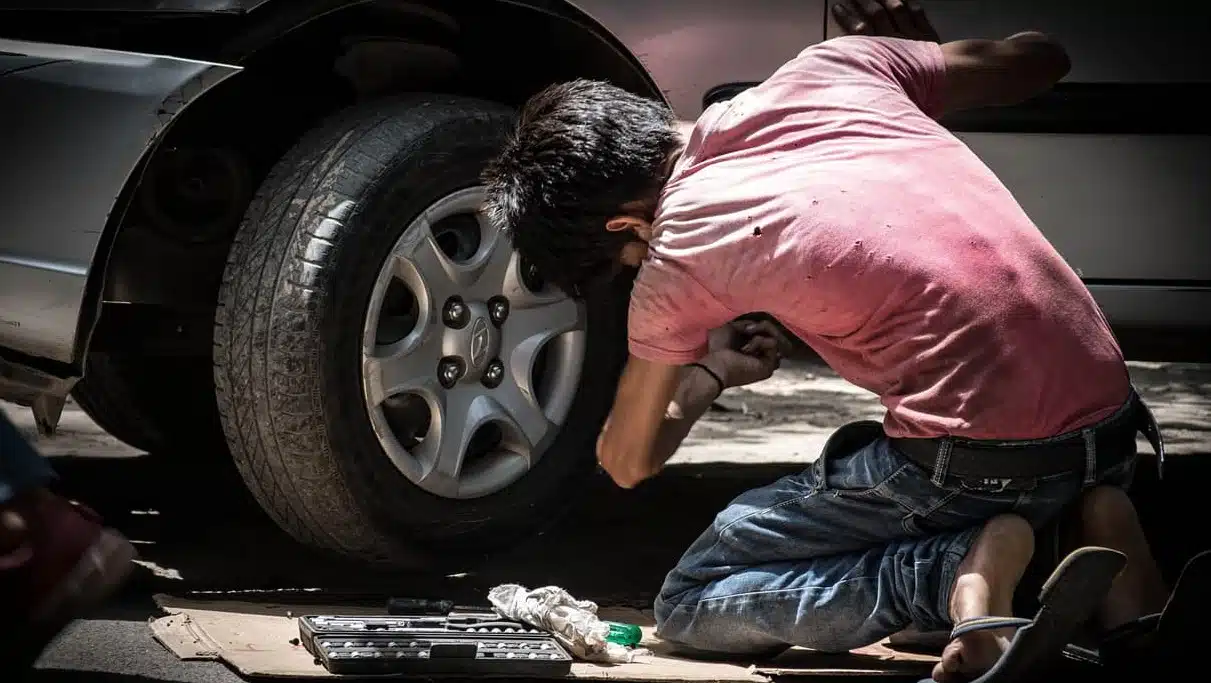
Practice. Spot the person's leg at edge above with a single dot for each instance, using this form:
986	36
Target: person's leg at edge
22	469
23	472
1108	519
56	559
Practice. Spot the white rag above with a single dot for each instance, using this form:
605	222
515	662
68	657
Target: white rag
574	623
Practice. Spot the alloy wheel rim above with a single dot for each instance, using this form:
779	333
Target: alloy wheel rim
469	363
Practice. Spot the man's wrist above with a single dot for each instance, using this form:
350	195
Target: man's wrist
710	374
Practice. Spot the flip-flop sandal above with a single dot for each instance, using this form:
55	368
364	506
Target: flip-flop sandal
1174	633
1182	621
1068	599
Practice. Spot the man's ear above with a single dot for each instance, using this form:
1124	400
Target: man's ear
623	222
641	228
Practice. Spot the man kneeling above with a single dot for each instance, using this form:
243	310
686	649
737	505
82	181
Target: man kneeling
830	197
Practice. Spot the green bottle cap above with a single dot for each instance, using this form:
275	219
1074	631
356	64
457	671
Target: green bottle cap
624	634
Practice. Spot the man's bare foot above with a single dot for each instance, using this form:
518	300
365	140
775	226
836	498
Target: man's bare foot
1108	519
984	587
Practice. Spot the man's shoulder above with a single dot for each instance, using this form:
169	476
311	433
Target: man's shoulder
673	286
701	231
865	50
851	44
671	313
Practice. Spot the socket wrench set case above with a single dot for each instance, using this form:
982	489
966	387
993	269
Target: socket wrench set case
455	644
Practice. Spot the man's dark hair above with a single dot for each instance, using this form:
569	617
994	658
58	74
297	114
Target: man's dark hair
581	150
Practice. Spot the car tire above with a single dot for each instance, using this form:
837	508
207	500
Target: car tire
155	404
289	338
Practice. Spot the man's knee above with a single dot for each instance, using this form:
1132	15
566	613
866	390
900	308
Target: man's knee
674	621
697	631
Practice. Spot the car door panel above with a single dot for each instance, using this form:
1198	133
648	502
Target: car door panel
1118	207
1119	187
87	117
1109	42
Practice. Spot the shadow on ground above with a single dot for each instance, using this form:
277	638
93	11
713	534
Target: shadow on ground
200	532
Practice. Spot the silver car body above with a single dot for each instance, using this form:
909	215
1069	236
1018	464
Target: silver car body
1123	199
98	112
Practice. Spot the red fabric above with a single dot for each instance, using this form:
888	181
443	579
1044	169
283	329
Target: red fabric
56	537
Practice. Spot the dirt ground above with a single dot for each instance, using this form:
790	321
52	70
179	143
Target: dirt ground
201	537
790	416
198	531
784	419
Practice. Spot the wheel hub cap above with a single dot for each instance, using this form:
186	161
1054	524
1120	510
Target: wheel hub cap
487	367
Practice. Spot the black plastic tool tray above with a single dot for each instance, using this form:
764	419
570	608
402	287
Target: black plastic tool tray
469	644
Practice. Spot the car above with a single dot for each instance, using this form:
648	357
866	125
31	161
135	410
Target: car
249	229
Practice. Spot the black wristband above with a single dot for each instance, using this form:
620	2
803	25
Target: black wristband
718	380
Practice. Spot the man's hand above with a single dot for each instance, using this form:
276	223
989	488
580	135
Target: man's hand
890	18
745	352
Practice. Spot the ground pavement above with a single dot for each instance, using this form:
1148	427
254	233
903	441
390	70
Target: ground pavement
201	534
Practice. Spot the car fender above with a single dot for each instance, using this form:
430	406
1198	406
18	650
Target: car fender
86	121
686	48
100	111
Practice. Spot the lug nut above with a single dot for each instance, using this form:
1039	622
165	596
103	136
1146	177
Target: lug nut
449	370
494	374
455	313
498	310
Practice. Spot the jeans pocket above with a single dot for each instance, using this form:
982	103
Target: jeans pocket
856	461
932	508
958	511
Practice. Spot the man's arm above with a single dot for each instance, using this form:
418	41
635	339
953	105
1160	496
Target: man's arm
977	72
657	403
989	73
654	409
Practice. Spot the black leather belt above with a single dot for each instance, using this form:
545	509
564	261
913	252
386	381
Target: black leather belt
1113	438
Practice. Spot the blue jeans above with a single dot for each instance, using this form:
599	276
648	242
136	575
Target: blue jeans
21	467
859	546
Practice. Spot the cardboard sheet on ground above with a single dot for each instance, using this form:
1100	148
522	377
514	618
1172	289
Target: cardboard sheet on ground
261	640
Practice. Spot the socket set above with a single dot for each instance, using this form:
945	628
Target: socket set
458	644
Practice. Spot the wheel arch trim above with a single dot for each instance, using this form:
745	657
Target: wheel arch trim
278	18
134	99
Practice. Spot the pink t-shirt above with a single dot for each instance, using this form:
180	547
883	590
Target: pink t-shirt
829	197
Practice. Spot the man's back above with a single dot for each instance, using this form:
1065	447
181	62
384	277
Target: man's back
830	198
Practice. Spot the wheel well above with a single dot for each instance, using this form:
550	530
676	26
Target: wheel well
163	272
